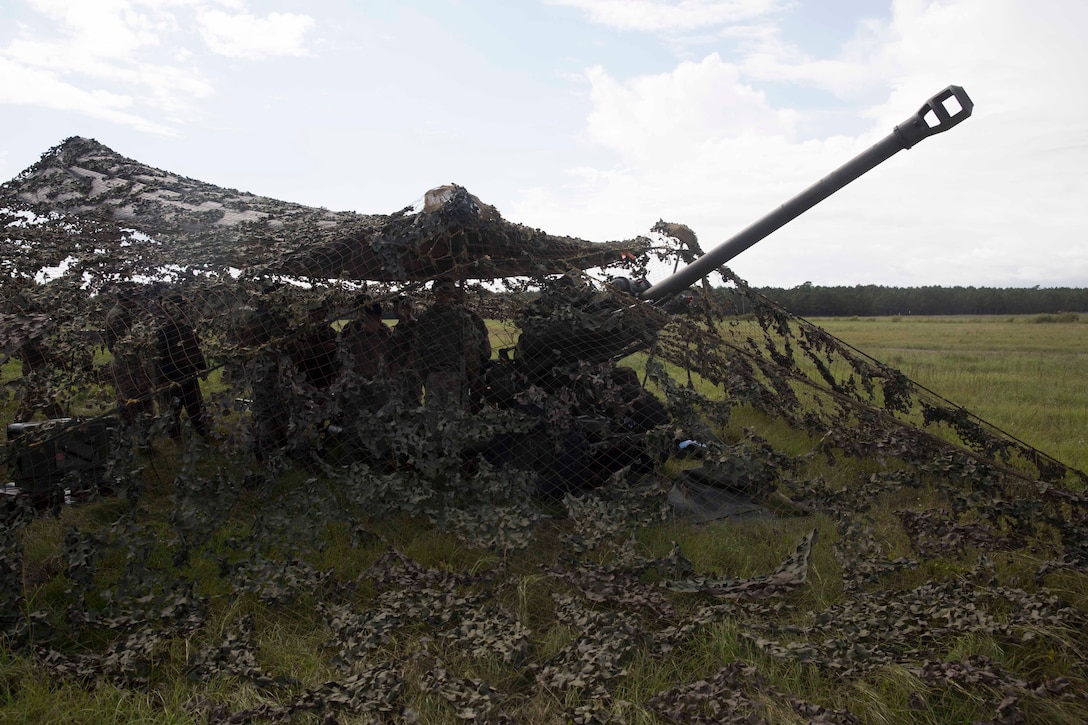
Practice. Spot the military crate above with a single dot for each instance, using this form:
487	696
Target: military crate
48	458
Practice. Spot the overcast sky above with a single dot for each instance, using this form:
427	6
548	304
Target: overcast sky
597	118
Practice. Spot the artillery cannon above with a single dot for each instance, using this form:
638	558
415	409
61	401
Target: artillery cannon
573	324
554	339
453	235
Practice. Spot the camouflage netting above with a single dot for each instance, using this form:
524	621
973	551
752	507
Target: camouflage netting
159	313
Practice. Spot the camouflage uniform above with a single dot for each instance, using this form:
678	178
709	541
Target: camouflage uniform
365	342
38	394
313	404
131	376
177	364
450	348
400	357
315	356
269	399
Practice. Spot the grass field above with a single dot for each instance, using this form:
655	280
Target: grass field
1028	378
897	599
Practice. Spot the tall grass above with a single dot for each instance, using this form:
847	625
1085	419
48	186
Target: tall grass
1026	379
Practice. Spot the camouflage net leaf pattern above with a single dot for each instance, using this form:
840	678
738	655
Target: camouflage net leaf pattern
301	381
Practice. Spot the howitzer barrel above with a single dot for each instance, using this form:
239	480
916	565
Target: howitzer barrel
933	117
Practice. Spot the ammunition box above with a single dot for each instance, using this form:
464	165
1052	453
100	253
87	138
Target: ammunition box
47	457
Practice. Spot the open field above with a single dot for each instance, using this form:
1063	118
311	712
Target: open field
1023	376
889	595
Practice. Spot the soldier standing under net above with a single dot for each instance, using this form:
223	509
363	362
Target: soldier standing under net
315	353
451	347
39	396
263	331
365	341
131	375
314	404
177	364
400	357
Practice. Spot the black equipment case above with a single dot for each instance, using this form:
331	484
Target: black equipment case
46	457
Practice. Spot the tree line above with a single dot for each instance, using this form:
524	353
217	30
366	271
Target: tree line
809	300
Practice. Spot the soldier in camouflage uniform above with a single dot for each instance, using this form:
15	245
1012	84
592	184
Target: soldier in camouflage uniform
178	362
39	396
364	342
314	403
129	368
400	357
315	354
450	348
262	331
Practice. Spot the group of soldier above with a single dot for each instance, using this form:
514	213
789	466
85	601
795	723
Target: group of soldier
172	370
305	382
299	378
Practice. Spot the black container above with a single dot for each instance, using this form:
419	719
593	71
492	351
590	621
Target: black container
47	457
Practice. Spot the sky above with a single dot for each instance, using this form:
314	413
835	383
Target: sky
598	118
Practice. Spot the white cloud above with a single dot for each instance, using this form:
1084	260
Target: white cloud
988	203
97	59
668	118
246	36
132	61
157	86
751	111
696	145
104	28
860	67
668	16
43	88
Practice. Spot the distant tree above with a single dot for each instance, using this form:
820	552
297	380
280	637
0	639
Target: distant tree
809	300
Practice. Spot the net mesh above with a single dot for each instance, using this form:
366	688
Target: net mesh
431	344
356	428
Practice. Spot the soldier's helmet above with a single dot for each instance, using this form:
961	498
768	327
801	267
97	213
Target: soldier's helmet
364	304
443	285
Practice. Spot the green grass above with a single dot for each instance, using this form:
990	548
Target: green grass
1025	378
321	547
